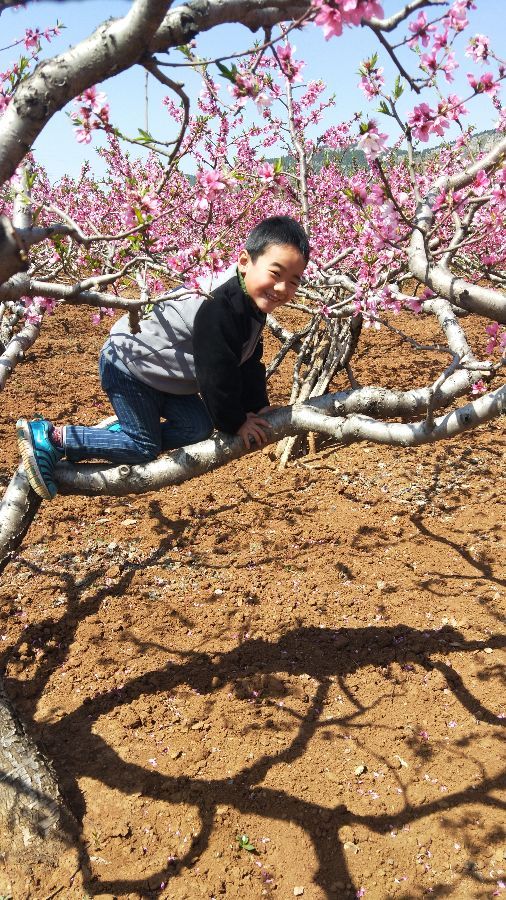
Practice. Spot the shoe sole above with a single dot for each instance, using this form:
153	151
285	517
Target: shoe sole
32	470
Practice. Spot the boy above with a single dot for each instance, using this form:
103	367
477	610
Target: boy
212	346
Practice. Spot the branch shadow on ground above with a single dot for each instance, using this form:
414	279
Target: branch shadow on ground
317	652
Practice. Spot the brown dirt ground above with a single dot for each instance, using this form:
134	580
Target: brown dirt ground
309	657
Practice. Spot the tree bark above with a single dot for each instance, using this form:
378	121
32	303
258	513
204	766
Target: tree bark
37	831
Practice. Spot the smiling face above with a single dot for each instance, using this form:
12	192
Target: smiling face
274	277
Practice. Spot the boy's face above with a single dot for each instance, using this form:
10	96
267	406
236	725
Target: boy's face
274	277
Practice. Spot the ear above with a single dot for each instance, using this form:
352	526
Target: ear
242	260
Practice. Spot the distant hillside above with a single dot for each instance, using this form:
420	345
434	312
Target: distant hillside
354	158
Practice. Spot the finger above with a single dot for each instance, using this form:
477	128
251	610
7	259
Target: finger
252	436
258	435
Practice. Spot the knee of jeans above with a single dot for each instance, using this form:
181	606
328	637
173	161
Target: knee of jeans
201	431
145	453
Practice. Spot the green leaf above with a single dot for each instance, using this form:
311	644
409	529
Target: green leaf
229	74
398	88
383	108
31	178
144	137
245	843
185	50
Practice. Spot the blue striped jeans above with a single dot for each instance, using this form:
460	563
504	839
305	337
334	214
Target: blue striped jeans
151	422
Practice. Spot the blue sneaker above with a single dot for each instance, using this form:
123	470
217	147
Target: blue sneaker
114	427
39	456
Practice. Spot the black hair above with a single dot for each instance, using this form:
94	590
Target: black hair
277	230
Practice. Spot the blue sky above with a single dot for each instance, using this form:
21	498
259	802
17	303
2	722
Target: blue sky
335	61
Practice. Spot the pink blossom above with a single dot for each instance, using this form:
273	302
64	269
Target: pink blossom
329	18
211	182
440	41
456	18
332	16
425	121
478	48
102	311
313	91
51	32
439	201
485	84
32	38
46	303
92	113
421	30
490	259
497	339
481	182
372	79
357	187
93	98
499	191
266	171
452	108
429	61
372	142
479	387
291	69
376	195
248	86
35	307
390	301
439	124
83	135
447	65
420	121
501	122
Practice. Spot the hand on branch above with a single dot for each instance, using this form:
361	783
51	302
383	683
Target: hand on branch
253	430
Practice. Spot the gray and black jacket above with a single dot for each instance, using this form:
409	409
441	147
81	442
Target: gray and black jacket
212	346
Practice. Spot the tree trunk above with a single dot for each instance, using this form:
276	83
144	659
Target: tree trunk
37	832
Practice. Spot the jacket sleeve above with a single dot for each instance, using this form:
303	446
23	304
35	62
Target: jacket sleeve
217	347
254	382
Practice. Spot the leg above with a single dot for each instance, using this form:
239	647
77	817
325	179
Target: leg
188	421
138	408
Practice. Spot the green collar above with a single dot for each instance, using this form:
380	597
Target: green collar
260	316
240	278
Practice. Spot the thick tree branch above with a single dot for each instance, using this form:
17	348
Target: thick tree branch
475	298
115	46
190	462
